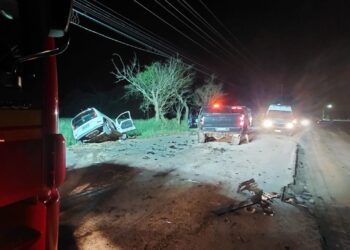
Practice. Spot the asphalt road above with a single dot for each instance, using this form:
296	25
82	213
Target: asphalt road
326	168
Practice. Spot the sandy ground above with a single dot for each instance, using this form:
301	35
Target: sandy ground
158	194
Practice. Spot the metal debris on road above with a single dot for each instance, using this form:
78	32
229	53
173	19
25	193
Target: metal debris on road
259	198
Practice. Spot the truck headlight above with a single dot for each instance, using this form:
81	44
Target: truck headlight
267	124
305	122
290	125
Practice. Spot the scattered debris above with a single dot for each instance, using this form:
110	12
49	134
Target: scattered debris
164	173
259	198
189	180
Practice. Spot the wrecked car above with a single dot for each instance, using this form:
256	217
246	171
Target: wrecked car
91	125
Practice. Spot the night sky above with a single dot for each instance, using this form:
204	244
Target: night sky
291	51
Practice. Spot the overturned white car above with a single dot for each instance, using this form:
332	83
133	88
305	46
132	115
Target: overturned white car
91	125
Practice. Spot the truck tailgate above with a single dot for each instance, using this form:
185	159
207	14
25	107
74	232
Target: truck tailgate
221	120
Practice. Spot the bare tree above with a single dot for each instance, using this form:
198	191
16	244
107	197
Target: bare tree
158	84
208	93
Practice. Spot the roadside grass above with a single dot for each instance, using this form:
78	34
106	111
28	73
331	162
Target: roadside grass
152	128
144	128
65	129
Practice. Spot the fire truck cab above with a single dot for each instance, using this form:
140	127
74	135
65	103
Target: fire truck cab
32	153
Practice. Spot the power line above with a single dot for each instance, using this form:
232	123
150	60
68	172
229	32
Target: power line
154	51
116	40
222	25
113	29
111	22
141	28
121	24
179	31
91	13
214	43
215	31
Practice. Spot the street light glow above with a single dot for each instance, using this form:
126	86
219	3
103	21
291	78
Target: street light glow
329	106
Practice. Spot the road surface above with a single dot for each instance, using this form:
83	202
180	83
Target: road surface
158	193
325	159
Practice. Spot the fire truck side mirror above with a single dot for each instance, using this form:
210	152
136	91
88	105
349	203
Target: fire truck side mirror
60	12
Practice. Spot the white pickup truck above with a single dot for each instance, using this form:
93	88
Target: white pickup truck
91	125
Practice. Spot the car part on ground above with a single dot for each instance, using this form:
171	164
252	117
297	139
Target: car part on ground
259	198
217	122
91	125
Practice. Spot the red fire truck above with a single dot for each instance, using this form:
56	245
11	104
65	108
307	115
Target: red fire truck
32	153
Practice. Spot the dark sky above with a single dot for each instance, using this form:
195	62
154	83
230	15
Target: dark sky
298	48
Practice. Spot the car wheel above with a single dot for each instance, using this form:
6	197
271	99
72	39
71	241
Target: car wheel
201	137
107	129
236	140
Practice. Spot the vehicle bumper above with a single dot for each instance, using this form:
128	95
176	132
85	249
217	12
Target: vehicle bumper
214	133
276	129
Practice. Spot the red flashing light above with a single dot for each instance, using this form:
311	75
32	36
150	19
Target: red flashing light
216	105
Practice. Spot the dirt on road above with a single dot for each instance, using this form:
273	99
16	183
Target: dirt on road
322	182
159	193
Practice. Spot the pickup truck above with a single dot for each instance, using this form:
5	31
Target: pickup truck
218	122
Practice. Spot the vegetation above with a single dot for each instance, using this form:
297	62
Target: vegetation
208	93
144	128
161	86
152	127
64	127
166	87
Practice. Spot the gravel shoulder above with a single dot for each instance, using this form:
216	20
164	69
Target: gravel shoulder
158	193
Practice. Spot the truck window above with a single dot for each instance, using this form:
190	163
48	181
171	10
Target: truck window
222	109
279	114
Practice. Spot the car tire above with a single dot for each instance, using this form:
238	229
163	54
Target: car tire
236	140
201	137
107	129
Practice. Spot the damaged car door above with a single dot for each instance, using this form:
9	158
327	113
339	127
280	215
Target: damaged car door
124	122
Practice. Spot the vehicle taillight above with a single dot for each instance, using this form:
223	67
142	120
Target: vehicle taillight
216	105
241	120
